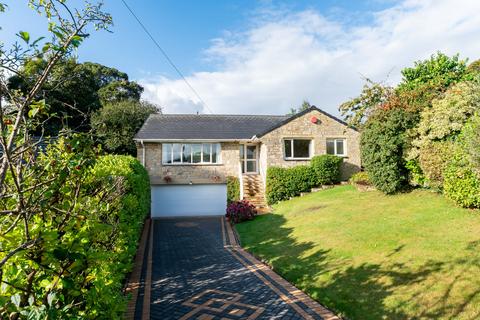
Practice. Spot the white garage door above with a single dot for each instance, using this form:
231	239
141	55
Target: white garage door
188	200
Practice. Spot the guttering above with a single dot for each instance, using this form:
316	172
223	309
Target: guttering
143	153
192	140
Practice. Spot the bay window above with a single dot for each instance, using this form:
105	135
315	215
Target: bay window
190	153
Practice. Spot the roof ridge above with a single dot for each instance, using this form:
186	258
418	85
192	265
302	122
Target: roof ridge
220	115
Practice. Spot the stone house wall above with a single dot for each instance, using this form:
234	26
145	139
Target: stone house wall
319	132
270	152
186	174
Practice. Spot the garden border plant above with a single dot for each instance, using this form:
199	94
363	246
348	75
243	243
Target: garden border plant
284	183
233	189
239	211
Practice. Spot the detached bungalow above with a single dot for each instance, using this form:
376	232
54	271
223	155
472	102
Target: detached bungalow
189	157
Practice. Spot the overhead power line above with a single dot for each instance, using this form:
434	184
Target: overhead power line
164	53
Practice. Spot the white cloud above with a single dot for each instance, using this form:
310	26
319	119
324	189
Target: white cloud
280	61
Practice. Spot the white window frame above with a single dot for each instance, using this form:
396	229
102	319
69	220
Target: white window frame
310	149
202	162
245	160
335	146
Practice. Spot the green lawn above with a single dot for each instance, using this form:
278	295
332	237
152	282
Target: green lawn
370	256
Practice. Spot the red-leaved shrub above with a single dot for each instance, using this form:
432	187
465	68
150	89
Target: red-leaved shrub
241	210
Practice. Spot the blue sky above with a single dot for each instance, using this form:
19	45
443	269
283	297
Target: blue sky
183	28
246	56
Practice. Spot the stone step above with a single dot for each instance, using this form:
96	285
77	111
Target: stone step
253	191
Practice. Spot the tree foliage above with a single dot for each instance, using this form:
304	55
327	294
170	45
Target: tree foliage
439	126
439	70
408	128
116	123
384	140
447	116
73	90
373	96
83	223
473	68
422	83
305	105
68	226
462	183
470	140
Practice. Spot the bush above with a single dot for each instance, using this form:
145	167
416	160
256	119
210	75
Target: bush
461	183
360	178
415	173
233	189
462	176
277	185
383	142
89	213
447	116
471	142
284	183
326	168
433	160
239	211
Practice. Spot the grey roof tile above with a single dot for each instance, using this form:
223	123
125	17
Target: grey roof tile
203	126
208	126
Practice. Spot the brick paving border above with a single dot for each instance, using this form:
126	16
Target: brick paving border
148	277
133	283
302	304
258	268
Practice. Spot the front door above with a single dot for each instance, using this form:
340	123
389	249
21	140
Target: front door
249	158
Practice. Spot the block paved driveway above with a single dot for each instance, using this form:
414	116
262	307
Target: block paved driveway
198	272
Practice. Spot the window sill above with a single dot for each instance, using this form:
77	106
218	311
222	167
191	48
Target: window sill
297	159
190	164
341	156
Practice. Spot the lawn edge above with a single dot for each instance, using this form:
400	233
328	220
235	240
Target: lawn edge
301	296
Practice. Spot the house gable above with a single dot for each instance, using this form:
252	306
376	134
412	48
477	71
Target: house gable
301	114
301	127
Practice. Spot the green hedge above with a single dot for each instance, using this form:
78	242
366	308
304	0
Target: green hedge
326	168
283	183
89	214
135	201
233	189
105	296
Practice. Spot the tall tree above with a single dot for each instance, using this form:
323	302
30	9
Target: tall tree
425	81
357	110
73	90
304	106
116	123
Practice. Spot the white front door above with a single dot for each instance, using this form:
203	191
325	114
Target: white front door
249	158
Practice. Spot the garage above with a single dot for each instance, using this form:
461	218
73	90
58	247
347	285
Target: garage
188	200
